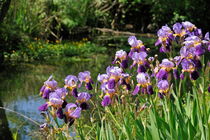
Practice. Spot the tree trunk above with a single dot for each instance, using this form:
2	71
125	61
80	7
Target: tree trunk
4	9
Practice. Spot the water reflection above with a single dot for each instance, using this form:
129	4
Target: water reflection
20	82
20	85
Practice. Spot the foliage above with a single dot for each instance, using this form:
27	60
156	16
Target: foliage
40	50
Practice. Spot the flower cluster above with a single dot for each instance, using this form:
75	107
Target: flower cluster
57	98
111	81
151	75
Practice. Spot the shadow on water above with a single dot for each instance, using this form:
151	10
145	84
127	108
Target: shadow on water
5	132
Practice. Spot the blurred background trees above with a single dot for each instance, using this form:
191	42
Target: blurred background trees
21	20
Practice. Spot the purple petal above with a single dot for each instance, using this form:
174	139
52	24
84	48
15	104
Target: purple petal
43	107
59	113
69	106
182	76
46	93
207	36
158	42
199	50
42	88
88	86
163	85
111	83
76	113
150	89
162	74
75	93
106	101
83	96
136	90
124	64
141	68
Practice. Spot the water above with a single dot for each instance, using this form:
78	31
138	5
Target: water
20	84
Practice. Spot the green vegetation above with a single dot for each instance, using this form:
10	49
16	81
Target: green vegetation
39	50
22	20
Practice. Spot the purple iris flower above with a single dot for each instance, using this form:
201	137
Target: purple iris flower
111	83
188	26
73	111
122	56
197	63
55	100
132	40
49	86
206	37
136	45
198	32
115	74
143	78
71	81
125	80
140	59
75	92
163	86
106	101
209	89
177	27
168	65
187	65
113	71
85	77
83	97
199	50
62	92
105	88
165	37
102	78
196	43
187	52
